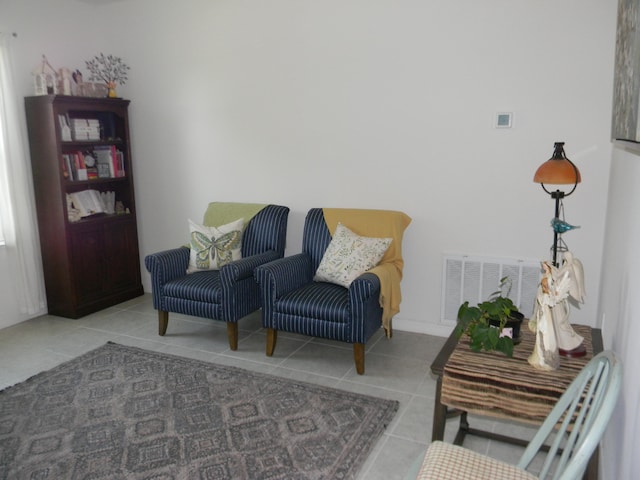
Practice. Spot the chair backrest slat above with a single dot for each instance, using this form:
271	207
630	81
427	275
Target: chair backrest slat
583	412
591	400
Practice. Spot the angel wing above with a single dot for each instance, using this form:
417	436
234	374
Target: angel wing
561	287
576	273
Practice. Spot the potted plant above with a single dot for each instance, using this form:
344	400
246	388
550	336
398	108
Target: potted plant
485	322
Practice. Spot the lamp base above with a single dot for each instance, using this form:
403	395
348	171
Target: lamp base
579	351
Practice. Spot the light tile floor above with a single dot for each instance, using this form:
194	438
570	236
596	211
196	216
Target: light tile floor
396	368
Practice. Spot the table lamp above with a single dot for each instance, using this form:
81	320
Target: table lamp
558	170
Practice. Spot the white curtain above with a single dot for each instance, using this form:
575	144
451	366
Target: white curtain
16	198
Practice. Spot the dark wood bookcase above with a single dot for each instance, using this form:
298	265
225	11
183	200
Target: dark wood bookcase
93	262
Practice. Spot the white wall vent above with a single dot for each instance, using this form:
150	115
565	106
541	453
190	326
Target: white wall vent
473	278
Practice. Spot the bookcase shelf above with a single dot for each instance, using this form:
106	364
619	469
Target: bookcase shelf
100	218
88	143
84	184
90	262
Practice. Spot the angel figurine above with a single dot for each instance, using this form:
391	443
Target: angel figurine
545	355
550	321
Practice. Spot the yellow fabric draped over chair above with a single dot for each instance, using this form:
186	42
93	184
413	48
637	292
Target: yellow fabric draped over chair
380	224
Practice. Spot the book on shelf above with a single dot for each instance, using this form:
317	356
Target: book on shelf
67	171
104	170
85	128
112	157
120	163
74	166
65	130
109	201
88	202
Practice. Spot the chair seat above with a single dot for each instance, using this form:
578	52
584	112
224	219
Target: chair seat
444	461
318	300
199	287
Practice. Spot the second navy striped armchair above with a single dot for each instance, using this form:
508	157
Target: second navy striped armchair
293	302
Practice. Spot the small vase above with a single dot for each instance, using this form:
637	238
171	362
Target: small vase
112	90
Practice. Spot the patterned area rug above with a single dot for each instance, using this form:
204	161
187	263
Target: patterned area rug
121	412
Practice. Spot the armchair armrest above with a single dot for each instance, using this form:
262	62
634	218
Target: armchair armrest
364	287
243	268
364	298
165	266
285	274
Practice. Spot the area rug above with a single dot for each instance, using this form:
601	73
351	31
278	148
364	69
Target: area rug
122	412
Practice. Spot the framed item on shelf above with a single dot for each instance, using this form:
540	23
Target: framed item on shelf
103	171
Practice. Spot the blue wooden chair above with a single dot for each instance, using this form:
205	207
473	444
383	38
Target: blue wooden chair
227	294
572	431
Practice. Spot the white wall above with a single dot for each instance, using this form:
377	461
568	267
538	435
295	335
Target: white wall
372	103
619	308
360	103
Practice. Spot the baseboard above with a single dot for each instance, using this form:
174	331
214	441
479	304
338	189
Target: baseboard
406	325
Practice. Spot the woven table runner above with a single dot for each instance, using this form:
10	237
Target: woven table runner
492	384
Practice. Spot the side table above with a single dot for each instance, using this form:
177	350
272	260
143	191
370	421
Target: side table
493	385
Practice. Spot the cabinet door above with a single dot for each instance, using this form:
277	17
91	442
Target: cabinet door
123	269
87	262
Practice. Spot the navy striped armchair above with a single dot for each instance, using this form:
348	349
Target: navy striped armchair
293	302
227	294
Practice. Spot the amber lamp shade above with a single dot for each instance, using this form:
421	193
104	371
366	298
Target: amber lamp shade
558	170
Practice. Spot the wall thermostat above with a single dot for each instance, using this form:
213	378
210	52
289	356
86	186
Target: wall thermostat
504	119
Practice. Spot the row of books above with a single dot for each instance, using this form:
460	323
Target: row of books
104	161
79	129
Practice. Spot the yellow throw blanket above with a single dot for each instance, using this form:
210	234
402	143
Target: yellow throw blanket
380	224
221	213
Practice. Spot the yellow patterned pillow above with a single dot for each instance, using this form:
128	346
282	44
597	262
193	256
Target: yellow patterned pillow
212	247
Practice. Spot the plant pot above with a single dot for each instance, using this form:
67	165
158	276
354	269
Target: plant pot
514	322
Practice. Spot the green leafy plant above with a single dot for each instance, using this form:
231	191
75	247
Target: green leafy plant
484	322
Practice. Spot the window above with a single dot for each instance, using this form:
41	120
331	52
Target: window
2	162
3	158
16	205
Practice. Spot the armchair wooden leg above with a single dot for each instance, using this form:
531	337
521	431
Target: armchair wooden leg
358	355
163	321
232	333
272	337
